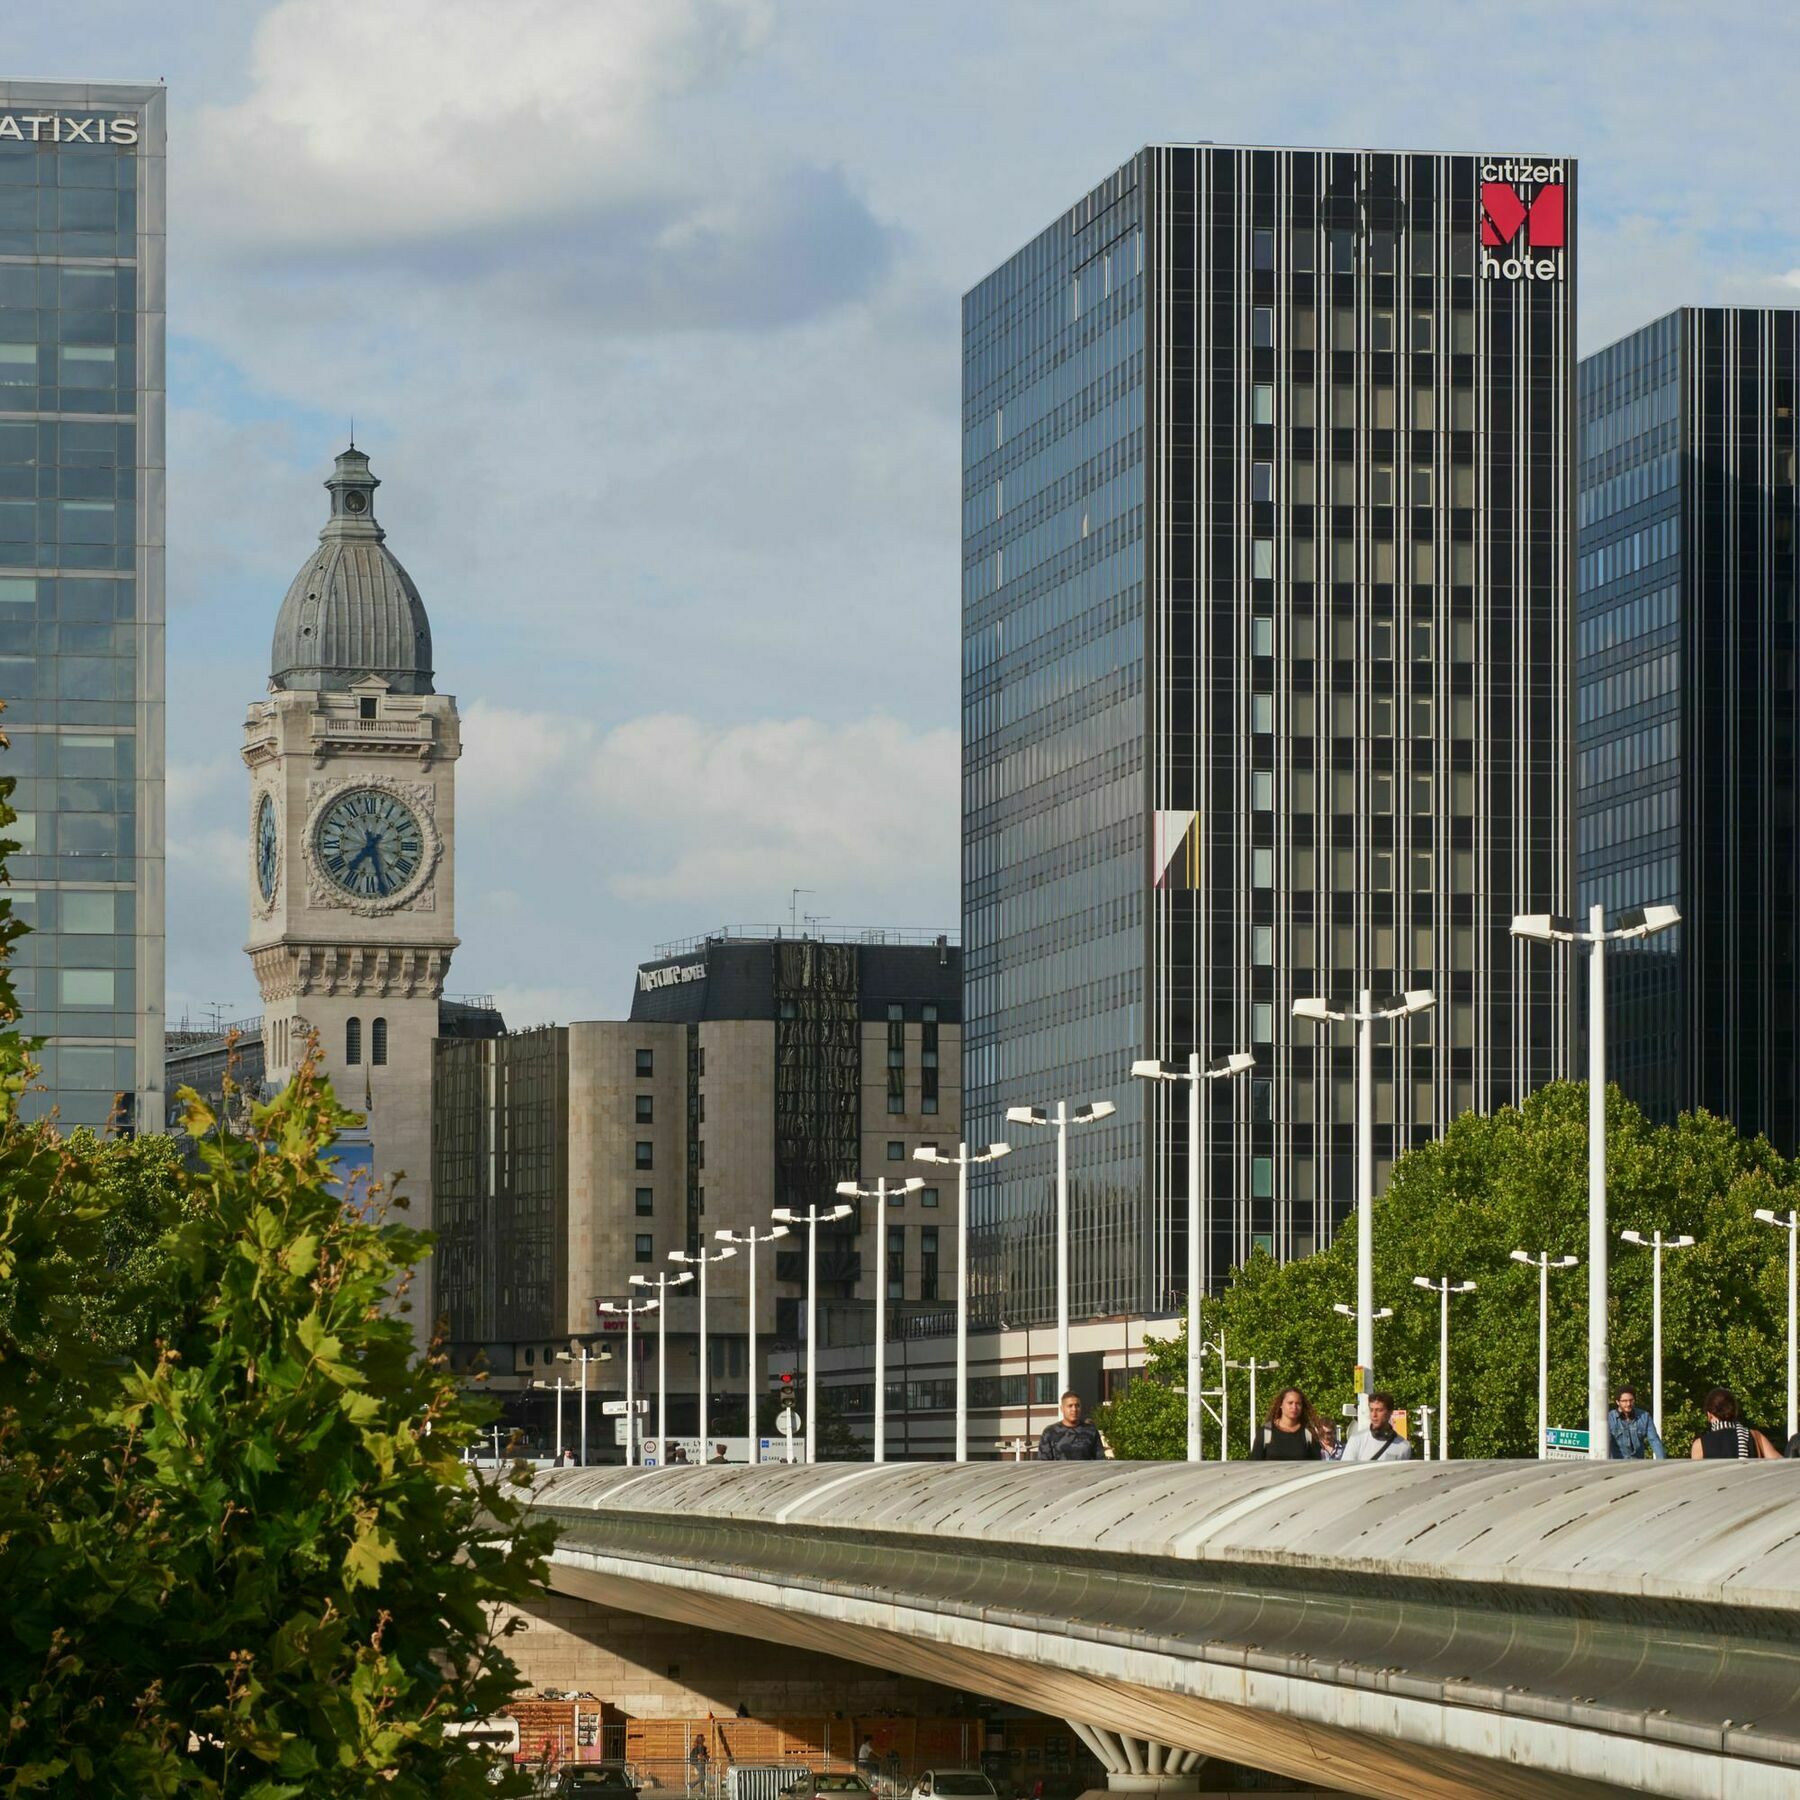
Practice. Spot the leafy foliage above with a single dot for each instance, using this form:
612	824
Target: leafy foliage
240	1550
1458	1207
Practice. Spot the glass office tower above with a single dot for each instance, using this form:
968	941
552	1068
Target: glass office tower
1686	706
1267	600
81	582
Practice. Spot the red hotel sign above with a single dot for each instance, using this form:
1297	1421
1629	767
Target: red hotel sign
1524	213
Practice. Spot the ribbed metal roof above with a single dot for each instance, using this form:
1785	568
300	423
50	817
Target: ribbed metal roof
352	610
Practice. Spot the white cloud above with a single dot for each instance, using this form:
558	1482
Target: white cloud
375	124
725	817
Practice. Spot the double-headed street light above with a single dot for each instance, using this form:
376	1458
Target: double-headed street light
1443	1287
1199	1230
630	1311
700	1260
1365	1015
584	1359
848	1190
662	1283
1548	928
812	1219
1656	1243
749	1241
1790	1223
964	1159
1544	1262
1090	1113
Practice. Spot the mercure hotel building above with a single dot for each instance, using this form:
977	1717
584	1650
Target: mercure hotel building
1268	574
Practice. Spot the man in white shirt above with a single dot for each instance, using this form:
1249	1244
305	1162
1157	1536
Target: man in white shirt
1381	1442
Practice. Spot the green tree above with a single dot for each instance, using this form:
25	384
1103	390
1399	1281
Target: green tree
240	1552
1458	1207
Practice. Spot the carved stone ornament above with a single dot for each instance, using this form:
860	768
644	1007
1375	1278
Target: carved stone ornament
419	894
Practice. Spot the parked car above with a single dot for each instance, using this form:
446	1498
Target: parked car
597	1781
953	1784
809	1787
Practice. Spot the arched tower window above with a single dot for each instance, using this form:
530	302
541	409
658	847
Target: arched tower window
353	1041
378	1041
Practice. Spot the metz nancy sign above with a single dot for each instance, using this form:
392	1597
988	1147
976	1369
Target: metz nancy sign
1524	217
59	128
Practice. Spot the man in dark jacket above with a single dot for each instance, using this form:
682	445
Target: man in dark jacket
1070	1438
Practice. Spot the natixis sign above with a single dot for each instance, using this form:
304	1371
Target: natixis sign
1524	220
65	128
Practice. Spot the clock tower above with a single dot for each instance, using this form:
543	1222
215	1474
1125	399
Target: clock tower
352	756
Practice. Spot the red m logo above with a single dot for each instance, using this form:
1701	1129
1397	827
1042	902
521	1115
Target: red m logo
1503	212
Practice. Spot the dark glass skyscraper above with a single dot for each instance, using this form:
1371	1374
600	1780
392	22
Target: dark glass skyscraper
81	582
1267	634
1686	706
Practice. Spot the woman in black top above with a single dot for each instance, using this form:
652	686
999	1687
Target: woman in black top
1292	1433
1727	1435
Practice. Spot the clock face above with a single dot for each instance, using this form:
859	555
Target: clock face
369	843
268	848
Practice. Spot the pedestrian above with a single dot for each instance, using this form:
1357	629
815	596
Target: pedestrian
1727	1435
865	1759
1070	1437
697	1761
1381	1442
1291	1432
1631	1431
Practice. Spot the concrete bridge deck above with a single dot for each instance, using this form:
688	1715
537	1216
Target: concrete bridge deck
1426	1630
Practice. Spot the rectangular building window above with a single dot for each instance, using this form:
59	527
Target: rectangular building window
1262	404
928	1262
1262	1023
646	1063
896	1262
646	1203
646	1152
896	1150
1262	328
646	1109
1262	249
928	1196
645	1247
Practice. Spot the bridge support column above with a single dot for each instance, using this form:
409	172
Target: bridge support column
1140	1765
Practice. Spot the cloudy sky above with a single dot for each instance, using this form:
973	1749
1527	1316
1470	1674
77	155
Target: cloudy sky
647	312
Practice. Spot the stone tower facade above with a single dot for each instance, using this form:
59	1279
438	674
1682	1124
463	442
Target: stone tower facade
352	759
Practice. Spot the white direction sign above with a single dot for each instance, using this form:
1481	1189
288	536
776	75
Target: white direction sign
1565	1446
615	1409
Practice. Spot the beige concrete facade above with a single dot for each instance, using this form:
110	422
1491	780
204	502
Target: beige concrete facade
675	1130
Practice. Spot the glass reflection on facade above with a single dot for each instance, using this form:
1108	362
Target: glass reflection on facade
1686	705
1300	723
81	581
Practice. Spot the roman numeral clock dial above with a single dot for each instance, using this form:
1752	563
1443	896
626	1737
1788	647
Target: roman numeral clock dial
369	843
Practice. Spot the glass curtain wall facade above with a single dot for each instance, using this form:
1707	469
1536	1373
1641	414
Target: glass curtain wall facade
1346	744
81	583
1687	706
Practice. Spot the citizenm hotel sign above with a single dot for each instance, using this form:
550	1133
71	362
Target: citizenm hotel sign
1524	220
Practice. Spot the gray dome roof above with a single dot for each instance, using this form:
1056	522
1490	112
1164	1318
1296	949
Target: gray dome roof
352	610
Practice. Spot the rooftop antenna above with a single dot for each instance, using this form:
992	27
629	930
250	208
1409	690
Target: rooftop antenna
794	906
813	919
353	431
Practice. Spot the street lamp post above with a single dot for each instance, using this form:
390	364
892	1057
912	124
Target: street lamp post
1375	1318
662	1283
1547	928
812	1219
1090	1113
1657	1244
630	1310
701	1261
1253	1366
848	1190
1791	1225
749	1240
1443	1288
1544	1262
1364	1015
964	1159
1199	1229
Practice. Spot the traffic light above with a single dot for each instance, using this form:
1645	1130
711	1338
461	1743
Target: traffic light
787	1385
